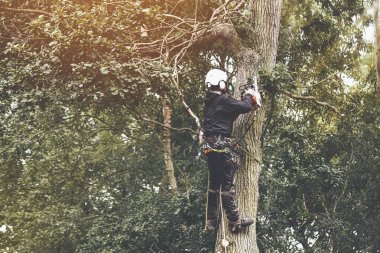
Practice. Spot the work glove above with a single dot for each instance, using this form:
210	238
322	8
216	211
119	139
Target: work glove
256	97
250	91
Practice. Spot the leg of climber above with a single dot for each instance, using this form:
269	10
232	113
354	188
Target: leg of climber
214	165
236	221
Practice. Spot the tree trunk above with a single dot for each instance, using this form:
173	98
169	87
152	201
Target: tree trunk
265	20
377	43
167	143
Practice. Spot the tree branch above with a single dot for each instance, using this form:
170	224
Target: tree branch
310	98
25	11
190	33
327	78
239	5
172	128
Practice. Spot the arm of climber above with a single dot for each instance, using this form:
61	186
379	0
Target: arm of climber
240	107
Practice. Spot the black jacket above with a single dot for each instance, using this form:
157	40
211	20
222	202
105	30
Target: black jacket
220	111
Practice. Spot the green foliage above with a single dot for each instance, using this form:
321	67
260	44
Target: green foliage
313	193
277	78
89	188
81	172
319	182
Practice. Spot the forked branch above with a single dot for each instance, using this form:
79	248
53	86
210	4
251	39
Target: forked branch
309	98
33	11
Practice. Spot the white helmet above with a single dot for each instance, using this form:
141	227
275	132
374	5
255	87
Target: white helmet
216	77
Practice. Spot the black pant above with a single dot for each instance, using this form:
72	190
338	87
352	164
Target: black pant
222	168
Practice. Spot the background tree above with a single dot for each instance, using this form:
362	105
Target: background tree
377	33
318	165
82	160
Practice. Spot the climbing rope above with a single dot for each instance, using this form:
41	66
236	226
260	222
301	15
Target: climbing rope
225	243
208	187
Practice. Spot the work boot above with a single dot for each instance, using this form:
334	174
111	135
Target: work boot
246	222
243	223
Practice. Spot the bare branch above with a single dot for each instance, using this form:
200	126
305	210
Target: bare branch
309	98
175	81
25	11
181	34
239	5
327	78
304	203
172	128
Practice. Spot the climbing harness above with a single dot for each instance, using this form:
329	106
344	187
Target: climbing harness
218	144
207	149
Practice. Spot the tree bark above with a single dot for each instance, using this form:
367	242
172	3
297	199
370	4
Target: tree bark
377	43
265	23
167	143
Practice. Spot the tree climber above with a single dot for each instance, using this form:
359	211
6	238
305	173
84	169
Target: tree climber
220	111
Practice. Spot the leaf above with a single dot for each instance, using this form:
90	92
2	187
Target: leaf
104	70
143	32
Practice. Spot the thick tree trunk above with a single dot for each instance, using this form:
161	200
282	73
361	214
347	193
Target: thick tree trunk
377	43
167	143
265	24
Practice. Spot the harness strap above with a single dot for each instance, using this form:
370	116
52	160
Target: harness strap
207	150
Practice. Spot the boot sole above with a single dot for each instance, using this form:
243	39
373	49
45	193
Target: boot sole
237	228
